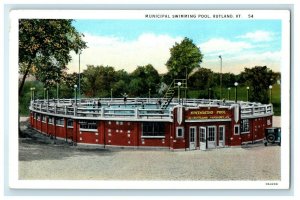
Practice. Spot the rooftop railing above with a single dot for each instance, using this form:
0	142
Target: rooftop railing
137	108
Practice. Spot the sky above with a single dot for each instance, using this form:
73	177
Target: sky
126	44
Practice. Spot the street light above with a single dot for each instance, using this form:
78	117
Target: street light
75	93
270	87
45	94
111	94
236	84
31	94
79	75
248	93
228	94
220	76
149	94
209	90
179	84
33	89
57	91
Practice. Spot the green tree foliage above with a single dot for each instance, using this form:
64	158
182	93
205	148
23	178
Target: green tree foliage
44	47
202	79
143	79
259	79
98	81
66	86
185	57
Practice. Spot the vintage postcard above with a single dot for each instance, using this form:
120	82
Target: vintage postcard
149	99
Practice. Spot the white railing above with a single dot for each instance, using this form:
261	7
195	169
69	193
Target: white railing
138	108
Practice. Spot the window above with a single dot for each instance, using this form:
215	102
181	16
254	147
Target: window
50	120
70	123
245	128
43	118
211	130
88	124
38	117
153	129
236	129
221	132
179	132
60	121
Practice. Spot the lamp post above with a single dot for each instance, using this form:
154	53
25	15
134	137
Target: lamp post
179	84
57	91
248	93
220	76
45	94
236	84
75	94
111	94
149	94
186	80
209	91
228	94
270	88
33	89
79	75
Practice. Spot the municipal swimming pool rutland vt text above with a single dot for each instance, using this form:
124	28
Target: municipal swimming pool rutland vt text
192	16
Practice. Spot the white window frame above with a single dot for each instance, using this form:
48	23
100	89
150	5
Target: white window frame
215	133
68	123
50	119
177	129
88	129
57	124
239	130
44	118
151	136
245	132
224	130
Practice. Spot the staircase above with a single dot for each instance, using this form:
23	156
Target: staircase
169	95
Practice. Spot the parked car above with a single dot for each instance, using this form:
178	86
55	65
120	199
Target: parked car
272	136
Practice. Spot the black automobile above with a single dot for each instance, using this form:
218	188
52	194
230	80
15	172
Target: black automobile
272	136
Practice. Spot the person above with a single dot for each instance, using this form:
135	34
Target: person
159	102
99	103
125	97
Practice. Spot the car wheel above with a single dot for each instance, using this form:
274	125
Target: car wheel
271	138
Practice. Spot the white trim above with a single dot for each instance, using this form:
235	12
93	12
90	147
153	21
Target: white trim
209	120
224	135
215	136
182	128
195	137
88	130
59	125
155	137
236	125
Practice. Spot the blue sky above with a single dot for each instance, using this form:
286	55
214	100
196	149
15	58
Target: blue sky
125	44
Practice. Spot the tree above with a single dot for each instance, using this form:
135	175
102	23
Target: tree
202	79
259	78
144	78
98	81
185	57
44	47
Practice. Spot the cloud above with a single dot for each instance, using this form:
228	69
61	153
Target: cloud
217	46
258	36
148	48
236	63
154	49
